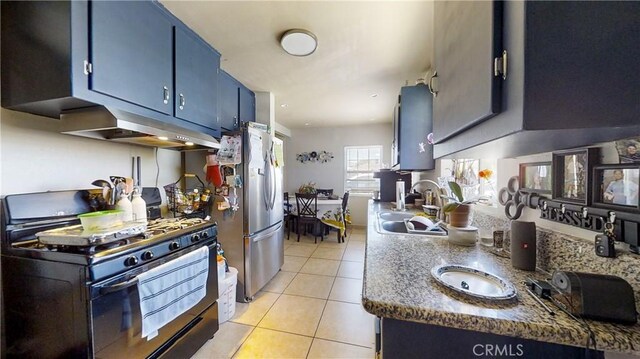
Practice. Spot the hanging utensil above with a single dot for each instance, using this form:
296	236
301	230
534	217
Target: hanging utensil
106	188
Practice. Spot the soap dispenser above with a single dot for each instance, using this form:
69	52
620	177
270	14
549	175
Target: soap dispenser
400	196
124	204
139	206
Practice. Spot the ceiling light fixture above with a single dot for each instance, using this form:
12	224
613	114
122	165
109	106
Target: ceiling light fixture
163	138
374	95
299	42
284	105
306	124
188	143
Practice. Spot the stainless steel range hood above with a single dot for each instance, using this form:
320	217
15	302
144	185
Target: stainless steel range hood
107	123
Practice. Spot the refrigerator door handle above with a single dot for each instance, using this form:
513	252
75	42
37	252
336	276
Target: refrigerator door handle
273	186
267	234
266	195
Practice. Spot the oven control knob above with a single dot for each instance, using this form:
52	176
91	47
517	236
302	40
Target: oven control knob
173	246
205	235
147	255
131	261
195	238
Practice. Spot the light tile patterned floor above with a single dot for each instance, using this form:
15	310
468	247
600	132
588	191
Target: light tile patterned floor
310	309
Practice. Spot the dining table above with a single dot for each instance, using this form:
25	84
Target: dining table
329	212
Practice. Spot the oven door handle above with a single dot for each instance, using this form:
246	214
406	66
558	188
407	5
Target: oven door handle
120	286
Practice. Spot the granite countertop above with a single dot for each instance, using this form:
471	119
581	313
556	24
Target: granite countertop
398	284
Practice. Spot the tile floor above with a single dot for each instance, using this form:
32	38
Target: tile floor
310	309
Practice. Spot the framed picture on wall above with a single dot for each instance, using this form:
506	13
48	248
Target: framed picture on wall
536	177
629	150
572	173
616	187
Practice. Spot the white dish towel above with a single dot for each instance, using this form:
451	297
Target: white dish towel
171	289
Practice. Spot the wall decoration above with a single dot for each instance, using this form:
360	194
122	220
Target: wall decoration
536	177
314	156
572	173
515	199
616	187
629	150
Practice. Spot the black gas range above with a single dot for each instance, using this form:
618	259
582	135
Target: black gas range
75	296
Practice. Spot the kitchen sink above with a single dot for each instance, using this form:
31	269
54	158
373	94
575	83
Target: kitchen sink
394	216
394	222
395	227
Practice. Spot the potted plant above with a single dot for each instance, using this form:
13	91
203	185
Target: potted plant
307	188
457	207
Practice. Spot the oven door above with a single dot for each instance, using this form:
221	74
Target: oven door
115	313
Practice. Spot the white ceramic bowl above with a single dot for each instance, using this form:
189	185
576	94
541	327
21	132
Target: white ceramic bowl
101	220
463	236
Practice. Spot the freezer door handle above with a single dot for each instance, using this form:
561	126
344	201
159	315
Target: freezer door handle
266	193
267	234
273	187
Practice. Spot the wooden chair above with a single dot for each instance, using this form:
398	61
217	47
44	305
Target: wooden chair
289	218
345	200
307	205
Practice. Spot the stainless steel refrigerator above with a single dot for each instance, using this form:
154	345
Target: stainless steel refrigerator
252	237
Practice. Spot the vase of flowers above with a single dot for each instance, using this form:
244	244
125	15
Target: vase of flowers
307	188
486	186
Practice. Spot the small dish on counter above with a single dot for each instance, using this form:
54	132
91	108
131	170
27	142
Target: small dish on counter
463	236
473	282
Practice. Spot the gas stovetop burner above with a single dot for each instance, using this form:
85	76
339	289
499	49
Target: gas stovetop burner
165	225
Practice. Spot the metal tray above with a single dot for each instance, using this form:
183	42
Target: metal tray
473	282
77	236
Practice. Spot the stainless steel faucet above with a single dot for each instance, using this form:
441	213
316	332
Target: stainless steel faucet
428	181
439	192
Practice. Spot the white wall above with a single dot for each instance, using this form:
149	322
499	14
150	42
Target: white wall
35	157
331	174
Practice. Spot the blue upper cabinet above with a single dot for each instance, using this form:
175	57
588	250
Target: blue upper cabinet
228	100
131	52
196	69
413	123
467	39
130	55
237	103
247	105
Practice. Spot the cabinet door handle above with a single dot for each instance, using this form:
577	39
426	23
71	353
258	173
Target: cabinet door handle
182	102
432	80
500	65
165	95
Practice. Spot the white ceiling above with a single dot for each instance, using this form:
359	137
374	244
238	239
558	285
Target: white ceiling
364	48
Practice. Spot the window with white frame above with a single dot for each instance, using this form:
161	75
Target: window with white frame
359	163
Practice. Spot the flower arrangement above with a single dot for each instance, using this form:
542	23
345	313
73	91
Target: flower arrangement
485	174
307	188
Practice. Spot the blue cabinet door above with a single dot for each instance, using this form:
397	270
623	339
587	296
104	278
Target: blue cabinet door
228	101
415	123
196	94
247	105
131	52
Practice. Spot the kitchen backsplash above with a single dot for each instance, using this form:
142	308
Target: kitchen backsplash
560	251
35	157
